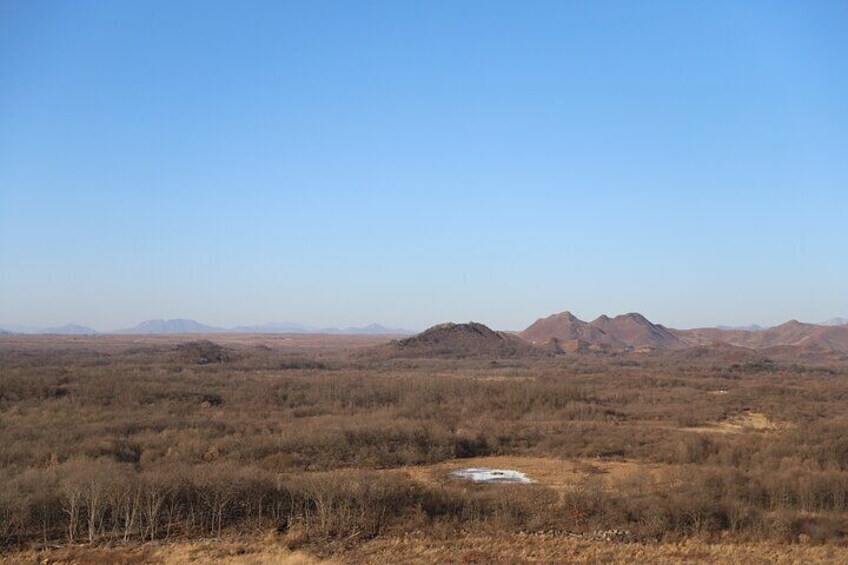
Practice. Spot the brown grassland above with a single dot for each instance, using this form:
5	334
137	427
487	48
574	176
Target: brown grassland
311	449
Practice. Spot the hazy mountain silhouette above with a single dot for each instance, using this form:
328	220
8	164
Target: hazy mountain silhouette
371	329
180	326
290	327
19	329
69	329
274	327
748	328
176	326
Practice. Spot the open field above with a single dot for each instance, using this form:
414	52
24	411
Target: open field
564	474
303	448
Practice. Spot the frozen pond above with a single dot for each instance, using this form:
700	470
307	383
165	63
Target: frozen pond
487	475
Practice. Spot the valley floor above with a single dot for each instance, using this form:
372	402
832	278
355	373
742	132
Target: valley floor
291	449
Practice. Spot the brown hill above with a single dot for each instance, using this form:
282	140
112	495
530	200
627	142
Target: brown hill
637	331
792	333
566	327
459	340
632	331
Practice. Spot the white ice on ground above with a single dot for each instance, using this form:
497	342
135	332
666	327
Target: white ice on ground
486	475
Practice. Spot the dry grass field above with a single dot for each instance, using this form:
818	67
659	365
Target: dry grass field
307	449
420	549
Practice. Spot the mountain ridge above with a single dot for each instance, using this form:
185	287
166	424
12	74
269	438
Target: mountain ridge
788	334
635	331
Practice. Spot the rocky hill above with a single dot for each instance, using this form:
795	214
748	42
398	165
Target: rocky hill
459	340
636	330
568	329
622	332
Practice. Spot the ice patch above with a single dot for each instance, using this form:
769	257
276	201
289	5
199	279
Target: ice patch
486	475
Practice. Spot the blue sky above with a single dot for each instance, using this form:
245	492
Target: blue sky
338	163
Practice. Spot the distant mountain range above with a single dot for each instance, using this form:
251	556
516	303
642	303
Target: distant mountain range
176	326
69	329
287	327
751	328
185	326
371	329
284	327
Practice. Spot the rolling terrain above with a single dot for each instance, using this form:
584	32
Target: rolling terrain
240	448
789	334
638	442
557	333
634	331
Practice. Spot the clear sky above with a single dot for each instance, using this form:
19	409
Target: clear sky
338	163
